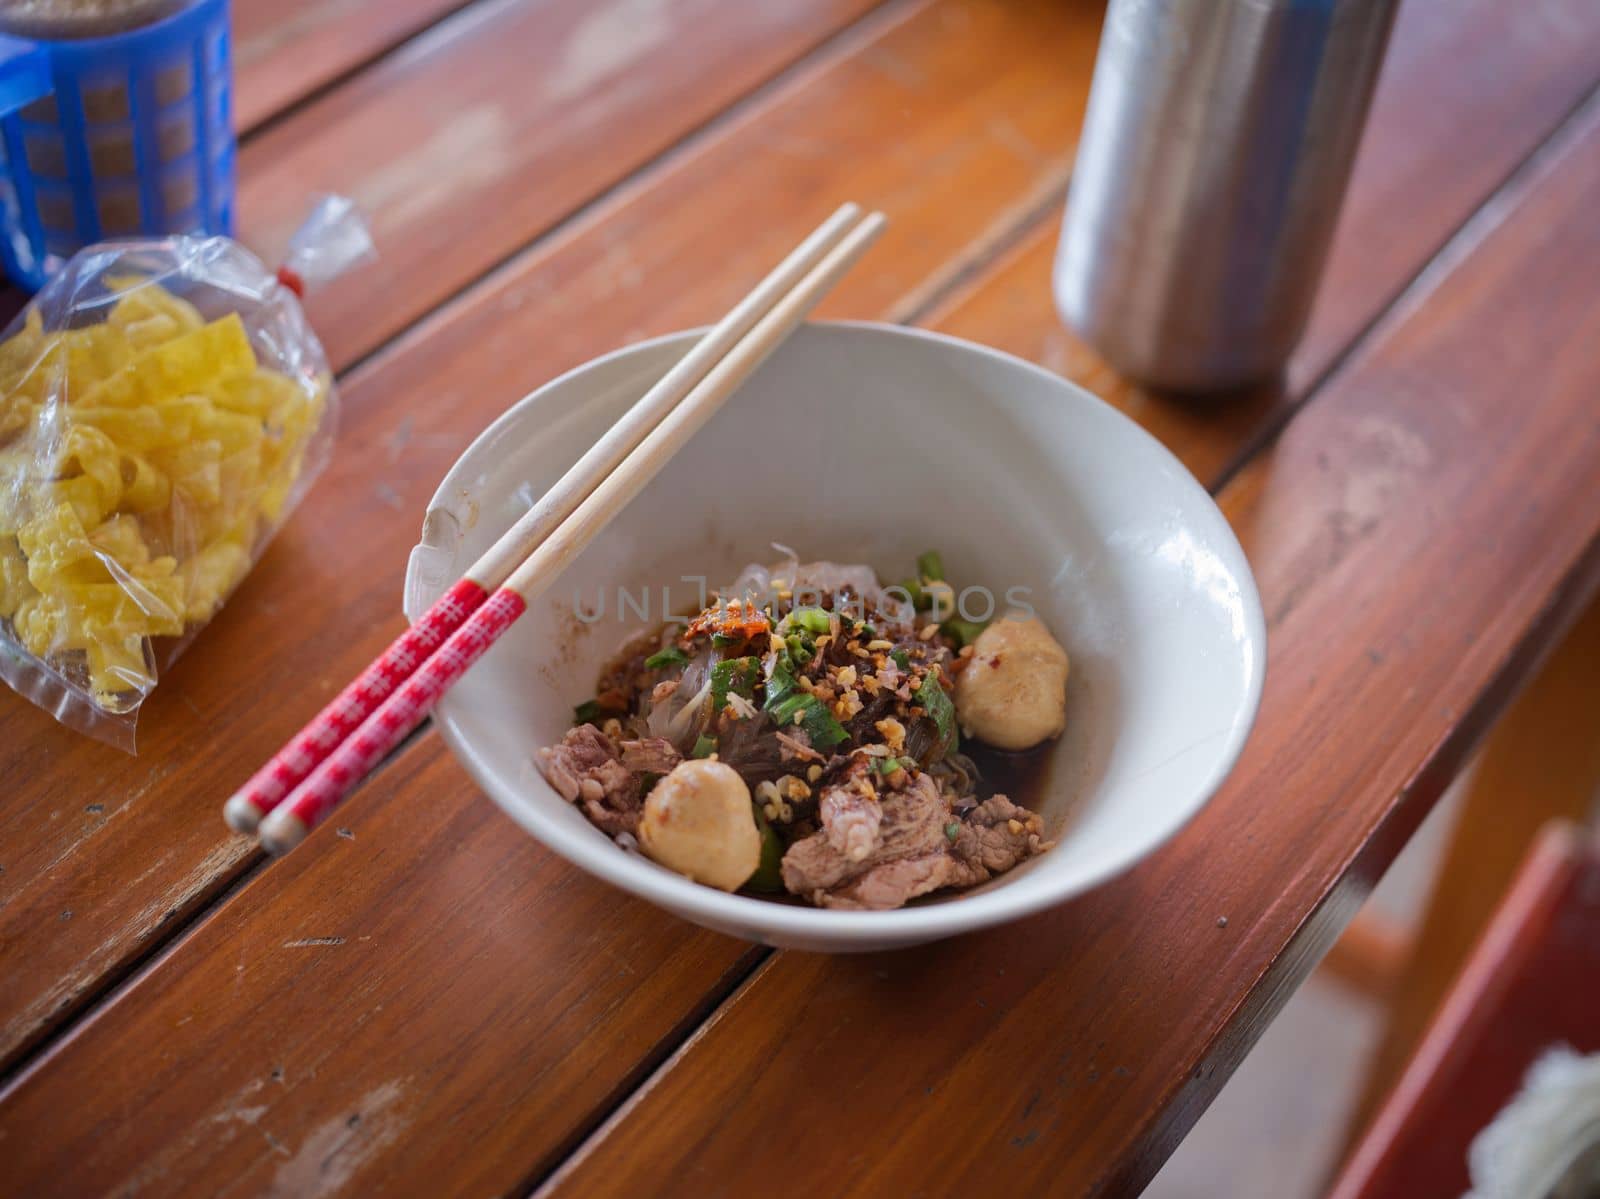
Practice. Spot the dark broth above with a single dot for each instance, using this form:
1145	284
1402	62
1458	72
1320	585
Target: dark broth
1018	775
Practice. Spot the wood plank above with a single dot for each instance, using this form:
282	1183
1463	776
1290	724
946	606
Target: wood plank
325	599
632	267
1446	126
462	369
368	999
1419	541
1541	764
99	854
1528	985
283	50
497	124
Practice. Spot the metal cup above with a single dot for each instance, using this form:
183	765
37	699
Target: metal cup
1215	153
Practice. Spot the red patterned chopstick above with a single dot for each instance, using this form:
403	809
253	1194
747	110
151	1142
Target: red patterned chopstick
389	723
287	768
341	770
290	767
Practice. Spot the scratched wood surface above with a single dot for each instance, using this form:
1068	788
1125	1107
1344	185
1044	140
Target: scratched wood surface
499	122
130	847
99	853
130	860
283	50
464	368
1437	144
1401	531
860	122
407	988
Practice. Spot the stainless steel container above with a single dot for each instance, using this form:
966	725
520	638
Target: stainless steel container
1215	153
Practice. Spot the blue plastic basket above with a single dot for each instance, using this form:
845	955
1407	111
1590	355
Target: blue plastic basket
129	135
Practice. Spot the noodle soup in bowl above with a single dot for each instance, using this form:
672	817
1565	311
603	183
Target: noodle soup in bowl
864	443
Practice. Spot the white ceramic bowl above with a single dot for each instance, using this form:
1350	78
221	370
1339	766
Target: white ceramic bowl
872	443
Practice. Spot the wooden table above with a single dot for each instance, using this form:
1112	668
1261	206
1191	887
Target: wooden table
422	999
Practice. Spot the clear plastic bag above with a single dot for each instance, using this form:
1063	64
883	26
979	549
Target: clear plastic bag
163	407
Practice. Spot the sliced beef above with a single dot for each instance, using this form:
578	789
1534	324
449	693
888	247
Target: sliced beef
912	825
811	866
893	883
586	769
583	750
995	837
852	818
650	755
914	854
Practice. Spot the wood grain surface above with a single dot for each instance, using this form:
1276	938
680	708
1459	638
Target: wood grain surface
489	964
130	848
284	50
1400	530
499	122
98	853
346	1035
1438	142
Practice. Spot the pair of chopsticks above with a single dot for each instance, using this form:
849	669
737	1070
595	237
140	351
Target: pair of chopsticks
326	760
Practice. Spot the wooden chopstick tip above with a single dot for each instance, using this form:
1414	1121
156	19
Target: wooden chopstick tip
242	815
281	831
862	234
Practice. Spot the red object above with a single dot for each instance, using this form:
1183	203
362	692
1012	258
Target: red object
286	769
393	720
292	281
1530	984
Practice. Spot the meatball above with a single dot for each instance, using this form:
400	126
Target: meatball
698	821
1013	694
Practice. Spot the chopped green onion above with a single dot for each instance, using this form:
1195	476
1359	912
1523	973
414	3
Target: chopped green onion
953	829
768	874
866	632
886	765
901	658
941	601
938	706
931	566
671	656
813	620
964	631
726	640
823	730
782	683
801	648
913	590
704	746
588	712
738	675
